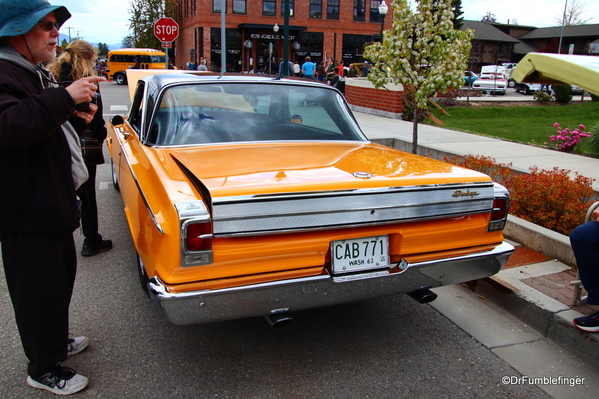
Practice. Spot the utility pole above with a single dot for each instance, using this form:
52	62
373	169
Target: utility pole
69	28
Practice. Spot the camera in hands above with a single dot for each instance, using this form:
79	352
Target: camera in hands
85	106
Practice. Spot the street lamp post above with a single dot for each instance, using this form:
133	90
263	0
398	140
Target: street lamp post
383	8
276	30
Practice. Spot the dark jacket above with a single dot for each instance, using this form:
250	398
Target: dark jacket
37	192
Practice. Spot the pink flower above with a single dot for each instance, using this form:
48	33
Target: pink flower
556	124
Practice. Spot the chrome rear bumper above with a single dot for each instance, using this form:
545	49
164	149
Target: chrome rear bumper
256	300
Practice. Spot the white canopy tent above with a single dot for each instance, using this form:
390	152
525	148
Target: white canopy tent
578	70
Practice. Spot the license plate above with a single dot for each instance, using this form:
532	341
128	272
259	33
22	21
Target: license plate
359	254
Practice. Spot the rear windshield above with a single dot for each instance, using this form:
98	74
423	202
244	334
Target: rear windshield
238	112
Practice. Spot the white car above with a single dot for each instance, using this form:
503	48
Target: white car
489	83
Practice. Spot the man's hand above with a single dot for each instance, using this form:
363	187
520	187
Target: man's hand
88	115
82	90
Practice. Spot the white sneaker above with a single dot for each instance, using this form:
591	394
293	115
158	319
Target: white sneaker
76	345
60	381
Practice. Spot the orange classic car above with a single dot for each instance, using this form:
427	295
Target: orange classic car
256	196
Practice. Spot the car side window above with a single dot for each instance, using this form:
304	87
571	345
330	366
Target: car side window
135	113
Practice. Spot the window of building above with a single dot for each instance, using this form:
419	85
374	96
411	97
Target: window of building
233	56
359	10
312	45
269	7
375	15
315	8
353	47
194	7
291	7
216	5
333	9
239	6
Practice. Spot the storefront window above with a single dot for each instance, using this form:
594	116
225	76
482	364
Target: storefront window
353	47
233	57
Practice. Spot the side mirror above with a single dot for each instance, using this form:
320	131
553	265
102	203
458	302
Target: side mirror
117	120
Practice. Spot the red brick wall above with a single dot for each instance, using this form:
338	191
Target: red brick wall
365	95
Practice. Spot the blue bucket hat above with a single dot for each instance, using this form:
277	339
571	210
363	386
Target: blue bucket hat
18	17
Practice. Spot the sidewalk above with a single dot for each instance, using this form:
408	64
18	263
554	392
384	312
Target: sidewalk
535	284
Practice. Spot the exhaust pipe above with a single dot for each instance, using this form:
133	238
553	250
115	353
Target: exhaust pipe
423	295
279	319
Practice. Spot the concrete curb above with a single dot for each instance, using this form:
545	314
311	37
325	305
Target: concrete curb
540	239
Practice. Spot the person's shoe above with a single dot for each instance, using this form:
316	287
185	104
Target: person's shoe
76	345
60	381
588	323
92	249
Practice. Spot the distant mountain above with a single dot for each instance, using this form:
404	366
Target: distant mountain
110	46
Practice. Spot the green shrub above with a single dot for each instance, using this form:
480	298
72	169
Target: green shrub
593	142
541	97
563	93
594	97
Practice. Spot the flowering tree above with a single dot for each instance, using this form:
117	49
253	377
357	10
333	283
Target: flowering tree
423	52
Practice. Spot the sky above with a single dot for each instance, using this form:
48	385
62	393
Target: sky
107	21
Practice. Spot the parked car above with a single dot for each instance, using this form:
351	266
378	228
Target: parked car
490	83
243	203
529	88
469	78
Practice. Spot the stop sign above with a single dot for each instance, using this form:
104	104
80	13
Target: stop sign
166	29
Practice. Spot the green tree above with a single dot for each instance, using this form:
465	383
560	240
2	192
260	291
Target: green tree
64	43
128	42
458	19
423	52
103	49
144	13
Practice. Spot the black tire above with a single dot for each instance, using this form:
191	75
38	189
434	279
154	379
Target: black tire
143	277
527	90
120	78
115	180
511	84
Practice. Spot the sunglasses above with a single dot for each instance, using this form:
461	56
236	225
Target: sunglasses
49	25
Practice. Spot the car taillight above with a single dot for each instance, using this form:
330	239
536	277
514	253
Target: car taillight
501	206
198	237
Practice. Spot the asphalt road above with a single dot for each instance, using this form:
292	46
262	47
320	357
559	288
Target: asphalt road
385	348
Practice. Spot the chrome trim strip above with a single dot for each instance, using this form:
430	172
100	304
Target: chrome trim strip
311	292
286	212
141	193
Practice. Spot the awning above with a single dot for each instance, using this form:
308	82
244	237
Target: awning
578	70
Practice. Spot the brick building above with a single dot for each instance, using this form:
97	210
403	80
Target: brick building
317	28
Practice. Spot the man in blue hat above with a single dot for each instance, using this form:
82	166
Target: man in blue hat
40	169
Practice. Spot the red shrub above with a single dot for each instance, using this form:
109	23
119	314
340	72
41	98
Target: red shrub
550	198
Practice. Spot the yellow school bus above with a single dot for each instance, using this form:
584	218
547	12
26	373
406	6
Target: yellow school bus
133	58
